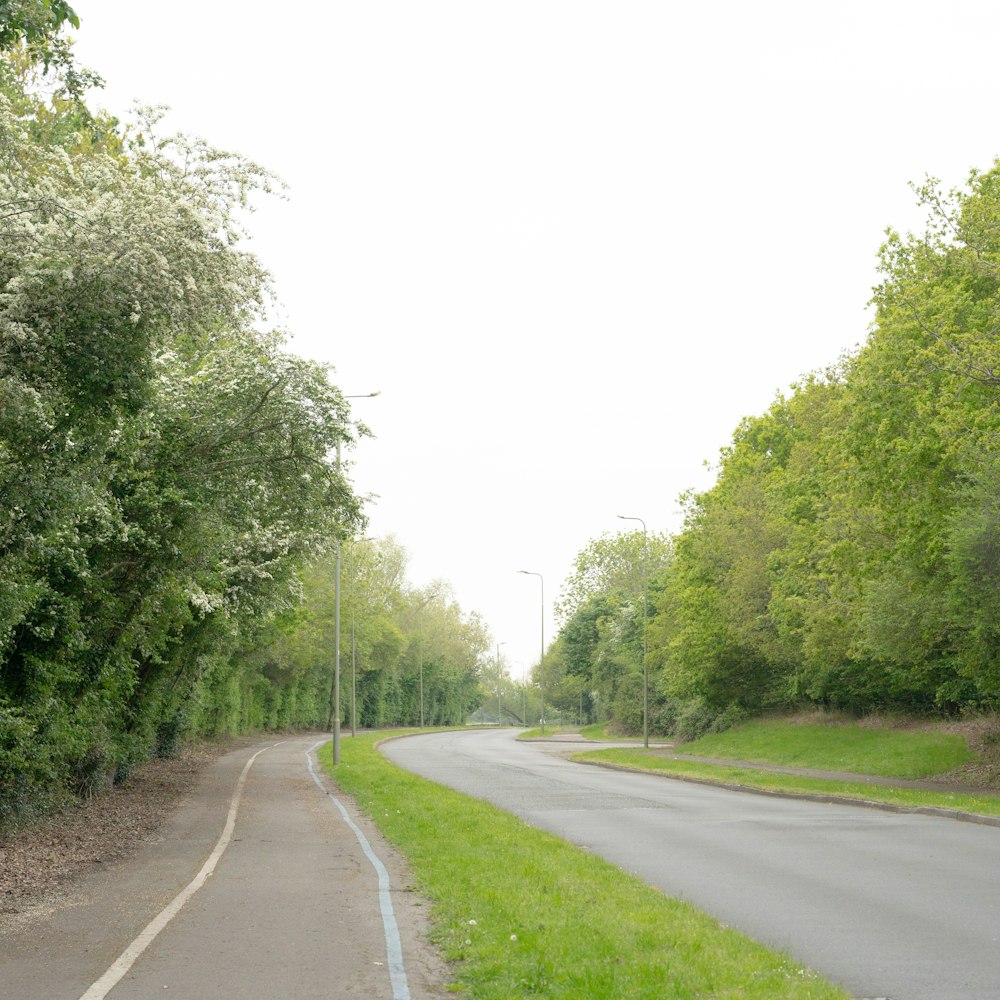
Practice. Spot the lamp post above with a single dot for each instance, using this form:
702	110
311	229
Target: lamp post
336	620
499	710
645	597
541	659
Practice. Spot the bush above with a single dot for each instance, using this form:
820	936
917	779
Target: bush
697	718
627	709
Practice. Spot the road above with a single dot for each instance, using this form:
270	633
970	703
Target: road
888	905
292	906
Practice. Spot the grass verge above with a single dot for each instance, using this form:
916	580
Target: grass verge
860	749
769	781
524	914
599	731
536	733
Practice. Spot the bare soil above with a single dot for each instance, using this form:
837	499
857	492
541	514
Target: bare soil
37	860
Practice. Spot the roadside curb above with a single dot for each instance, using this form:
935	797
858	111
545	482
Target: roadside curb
953	814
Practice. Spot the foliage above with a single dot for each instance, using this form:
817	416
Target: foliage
394	640
847	553
600	642
163	465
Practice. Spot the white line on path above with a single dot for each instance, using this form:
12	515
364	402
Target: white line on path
393	946
127	958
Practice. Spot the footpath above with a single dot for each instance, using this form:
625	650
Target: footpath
264	883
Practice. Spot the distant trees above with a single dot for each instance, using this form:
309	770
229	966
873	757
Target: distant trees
600	640
395	641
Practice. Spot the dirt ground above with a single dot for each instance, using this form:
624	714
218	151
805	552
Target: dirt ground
37	860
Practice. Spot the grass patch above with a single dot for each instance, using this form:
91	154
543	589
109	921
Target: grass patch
650	760
524	914
536	733
861	750
599	731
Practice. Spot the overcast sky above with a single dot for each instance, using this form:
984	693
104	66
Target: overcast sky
571	243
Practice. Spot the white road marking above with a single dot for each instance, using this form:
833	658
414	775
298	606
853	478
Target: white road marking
393	945
127	959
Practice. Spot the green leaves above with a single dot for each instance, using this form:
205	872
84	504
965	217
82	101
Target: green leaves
165	468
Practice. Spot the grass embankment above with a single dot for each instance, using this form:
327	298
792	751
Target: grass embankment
536	733
524	914
595	731
856	749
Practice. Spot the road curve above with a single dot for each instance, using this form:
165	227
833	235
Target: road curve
888	905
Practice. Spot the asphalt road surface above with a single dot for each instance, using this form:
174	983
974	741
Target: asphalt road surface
888	905
292	907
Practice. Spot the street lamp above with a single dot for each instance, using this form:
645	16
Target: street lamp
645	597
499	710
541	659
336	619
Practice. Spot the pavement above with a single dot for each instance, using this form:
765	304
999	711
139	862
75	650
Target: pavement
264	884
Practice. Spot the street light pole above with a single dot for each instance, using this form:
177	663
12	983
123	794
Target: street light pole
645	599
541	659
336	619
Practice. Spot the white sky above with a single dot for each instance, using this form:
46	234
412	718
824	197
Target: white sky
572	243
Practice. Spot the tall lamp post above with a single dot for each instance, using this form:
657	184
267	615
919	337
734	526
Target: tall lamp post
336	620
499	710
645	598
541	659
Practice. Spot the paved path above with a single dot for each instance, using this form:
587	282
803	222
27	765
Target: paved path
291	909
889	905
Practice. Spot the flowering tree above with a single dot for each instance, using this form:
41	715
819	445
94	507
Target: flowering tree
164	466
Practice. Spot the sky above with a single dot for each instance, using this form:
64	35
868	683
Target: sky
571	243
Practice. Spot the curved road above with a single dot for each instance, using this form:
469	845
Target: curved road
887	904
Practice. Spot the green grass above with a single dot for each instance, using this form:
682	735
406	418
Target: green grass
861	750
524	914
599	731
536	733
650	760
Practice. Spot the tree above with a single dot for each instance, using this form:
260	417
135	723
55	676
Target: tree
163	465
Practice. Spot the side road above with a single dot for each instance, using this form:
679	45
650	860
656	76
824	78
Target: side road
274	892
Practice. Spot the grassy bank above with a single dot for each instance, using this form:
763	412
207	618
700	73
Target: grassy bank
858	749
524	914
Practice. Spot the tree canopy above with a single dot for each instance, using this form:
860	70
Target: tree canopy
847	554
